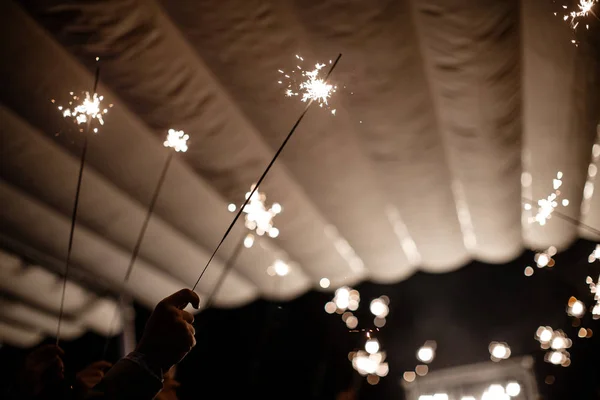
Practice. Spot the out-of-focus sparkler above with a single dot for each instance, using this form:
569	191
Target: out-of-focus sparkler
176	140
262	177
547	206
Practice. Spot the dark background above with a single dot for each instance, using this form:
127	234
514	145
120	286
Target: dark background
296	350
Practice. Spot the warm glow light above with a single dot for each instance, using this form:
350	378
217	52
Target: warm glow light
249	240
324	283
544	334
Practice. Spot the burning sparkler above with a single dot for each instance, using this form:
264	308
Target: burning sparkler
177	140
547	206
585	8
87	111
309	84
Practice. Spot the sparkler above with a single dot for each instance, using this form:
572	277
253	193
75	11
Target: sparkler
84	113
308	84
547	206
585	8
262	177
177	140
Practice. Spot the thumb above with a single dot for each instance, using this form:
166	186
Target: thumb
181	298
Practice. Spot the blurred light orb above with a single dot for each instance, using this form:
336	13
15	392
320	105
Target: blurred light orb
330	307
372	346
379	308
281	268
422	370
499	351
409	376
379	322
249	241
576	308
544	334
352	322
324	283
231	207
513	389
556	357
440	396
426	354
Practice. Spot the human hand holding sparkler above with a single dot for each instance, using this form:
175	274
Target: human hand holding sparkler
169	334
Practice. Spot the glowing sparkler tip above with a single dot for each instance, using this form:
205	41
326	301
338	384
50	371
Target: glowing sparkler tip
88	111
177	140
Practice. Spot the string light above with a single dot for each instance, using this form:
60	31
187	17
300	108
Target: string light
89	109
177	140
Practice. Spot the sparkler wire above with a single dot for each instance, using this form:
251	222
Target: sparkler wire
138	244
226	269
72	234
262	177
74	213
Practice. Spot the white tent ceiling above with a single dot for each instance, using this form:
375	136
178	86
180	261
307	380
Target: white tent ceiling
452	111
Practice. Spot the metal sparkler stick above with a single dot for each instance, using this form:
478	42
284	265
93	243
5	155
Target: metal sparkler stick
262	177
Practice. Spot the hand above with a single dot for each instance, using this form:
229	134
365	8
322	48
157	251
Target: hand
169	334
43	369
91	375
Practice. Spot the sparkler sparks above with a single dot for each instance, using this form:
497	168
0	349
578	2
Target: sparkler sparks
584	9
309	84
177	140
594	289
547	206
87	111
258	217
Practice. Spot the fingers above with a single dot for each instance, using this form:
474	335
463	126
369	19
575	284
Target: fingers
181	298
187	317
